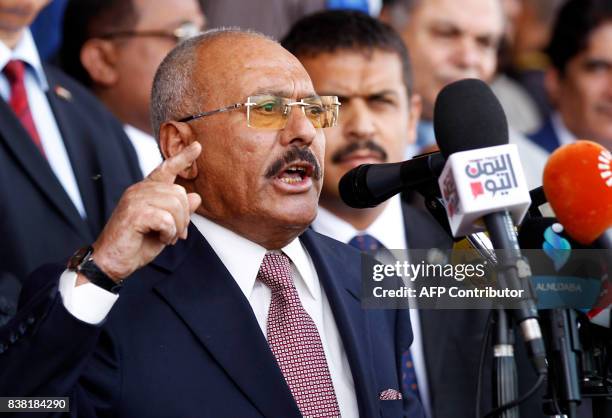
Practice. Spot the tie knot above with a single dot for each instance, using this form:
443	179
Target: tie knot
366	243
275	272
14	71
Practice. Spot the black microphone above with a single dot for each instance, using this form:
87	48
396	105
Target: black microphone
369	185
468	116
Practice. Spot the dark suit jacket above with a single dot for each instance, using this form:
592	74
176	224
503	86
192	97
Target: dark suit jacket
452	339
38	221
546	137
182	341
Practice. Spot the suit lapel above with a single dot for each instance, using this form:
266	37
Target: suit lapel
421	235
433	323
343	295
205	296
546	137
38	169
422	230
81	153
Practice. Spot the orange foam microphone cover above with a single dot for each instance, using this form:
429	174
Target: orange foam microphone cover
578	186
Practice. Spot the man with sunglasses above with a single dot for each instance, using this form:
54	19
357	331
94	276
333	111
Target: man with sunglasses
245	311
64	159
114	47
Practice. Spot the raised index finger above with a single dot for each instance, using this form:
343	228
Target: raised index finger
167	171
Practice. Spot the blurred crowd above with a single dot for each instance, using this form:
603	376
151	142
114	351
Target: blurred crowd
548	71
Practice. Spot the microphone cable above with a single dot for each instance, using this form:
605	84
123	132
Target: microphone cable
481	363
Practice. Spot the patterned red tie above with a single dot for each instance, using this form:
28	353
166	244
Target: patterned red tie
295	342
15	72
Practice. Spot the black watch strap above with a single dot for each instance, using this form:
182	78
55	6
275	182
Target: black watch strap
82	262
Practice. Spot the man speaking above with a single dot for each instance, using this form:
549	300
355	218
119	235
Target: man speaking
242	313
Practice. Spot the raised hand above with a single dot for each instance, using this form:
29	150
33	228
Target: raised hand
150	215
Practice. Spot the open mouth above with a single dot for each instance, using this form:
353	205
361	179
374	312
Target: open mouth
296	173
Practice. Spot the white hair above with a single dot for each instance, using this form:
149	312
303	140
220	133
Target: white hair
174	93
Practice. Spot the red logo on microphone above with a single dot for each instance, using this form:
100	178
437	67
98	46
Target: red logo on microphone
493	174
477	189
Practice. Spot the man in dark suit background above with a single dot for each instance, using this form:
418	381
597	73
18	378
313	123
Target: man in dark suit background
64	160
114	48
579	81
365	63
250	313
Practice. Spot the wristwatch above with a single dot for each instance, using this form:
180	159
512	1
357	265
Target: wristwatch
82	262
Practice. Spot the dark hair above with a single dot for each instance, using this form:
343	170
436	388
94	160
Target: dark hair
84	19
576	21
334	30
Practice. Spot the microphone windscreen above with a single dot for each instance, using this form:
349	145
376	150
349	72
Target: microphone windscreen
578	186
467	116
350	189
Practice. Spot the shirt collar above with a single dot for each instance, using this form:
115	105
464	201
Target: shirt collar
425	133
137	135
388	227
242	257
27	52
564	134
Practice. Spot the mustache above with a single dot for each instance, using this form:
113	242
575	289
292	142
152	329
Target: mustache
292	155
356	146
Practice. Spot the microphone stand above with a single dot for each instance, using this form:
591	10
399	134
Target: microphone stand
561	333
505	381
511	272
596	366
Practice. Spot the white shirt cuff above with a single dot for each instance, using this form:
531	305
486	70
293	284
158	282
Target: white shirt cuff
86	302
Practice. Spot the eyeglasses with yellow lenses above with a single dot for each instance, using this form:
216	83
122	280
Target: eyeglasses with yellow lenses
272	112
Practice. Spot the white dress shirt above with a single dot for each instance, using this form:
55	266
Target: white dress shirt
390	230
147	149
36	86
533	158
242	258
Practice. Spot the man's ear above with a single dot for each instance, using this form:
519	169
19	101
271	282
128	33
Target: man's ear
385	15
552	84
416	106
173	138
99	57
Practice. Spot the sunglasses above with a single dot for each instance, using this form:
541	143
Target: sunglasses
272	112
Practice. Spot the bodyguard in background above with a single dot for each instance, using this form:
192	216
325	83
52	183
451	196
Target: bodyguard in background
579	82
64	159
113	47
